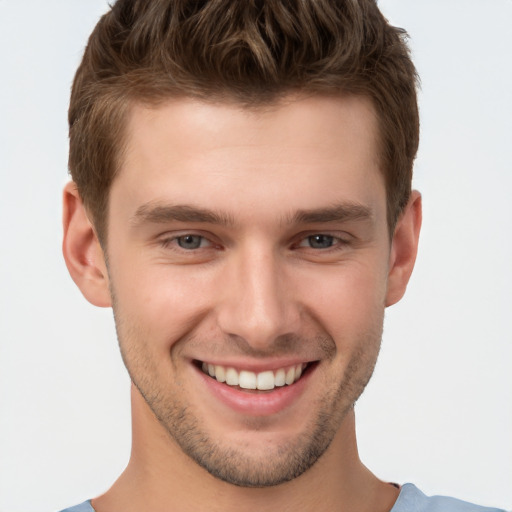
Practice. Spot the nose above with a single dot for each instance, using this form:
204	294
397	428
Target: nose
258	303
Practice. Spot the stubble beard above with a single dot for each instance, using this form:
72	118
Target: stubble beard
271	466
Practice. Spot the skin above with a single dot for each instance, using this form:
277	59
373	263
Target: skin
214	255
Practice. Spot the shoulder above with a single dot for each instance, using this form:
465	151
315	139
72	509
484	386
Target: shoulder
83	507
411	499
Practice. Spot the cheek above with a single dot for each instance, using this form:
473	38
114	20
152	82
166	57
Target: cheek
161	303
348	301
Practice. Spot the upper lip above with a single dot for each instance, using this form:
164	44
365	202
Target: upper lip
256	366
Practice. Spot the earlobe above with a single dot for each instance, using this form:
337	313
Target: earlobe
82	251
404	247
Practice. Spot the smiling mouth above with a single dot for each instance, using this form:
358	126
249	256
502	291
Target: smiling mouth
261	381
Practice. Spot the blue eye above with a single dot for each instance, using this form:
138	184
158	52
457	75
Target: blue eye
190	242
320	241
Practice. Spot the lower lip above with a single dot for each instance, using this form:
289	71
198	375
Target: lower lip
253	403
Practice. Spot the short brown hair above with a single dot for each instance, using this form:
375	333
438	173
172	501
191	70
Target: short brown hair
249	51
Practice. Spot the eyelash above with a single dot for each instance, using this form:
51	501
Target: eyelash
338	243
174	240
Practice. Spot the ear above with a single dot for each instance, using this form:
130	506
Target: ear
404	247
82	251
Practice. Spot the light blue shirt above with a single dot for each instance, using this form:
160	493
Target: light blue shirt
410	499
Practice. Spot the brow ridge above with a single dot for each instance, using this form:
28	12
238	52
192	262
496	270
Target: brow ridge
159	214
342	212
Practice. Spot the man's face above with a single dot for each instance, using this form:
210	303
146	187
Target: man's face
249	245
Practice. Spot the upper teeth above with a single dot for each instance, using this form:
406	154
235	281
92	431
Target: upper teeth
250	380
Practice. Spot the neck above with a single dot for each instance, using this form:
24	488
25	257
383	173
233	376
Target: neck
161	478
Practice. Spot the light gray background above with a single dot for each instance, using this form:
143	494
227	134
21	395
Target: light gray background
439	409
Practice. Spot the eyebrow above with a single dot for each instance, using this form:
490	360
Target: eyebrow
159	214
342	212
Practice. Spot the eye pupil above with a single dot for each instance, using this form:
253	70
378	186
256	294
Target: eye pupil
321	241
189	241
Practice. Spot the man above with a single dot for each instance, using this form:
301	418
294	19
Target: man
242	198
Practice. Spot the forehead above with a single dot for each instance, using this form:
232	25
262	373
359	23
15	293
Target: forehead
293	154
314	121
